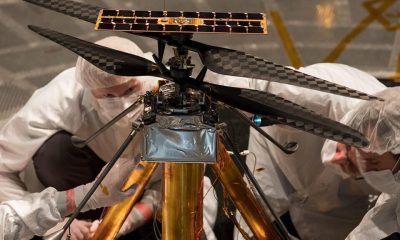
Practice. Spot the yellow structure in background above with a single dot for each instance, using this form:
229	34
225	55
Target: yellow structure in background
326	15
375	14
396	75
286	39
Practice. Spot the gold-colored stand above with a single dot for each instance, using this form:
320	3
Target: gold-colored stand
182	213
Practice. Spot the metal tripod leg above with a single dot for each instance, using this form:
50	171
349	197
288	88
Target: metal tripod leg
254	215
182	214
116	215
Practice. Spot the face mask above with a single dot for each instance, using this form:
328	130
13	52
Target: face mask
108	108
383	180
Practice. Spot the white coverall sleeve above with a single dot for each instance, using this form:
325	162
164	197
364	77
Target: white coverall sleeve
52	108
380	221
32	215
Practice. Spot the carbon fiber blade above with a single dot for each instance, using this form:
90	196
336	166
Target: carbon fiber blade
108	60
286	112
78	10
82	11
236	63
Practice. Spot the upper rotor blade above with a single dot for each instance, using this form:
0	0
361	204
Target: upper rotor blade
107	59
286	112
82	11
236	63
79	10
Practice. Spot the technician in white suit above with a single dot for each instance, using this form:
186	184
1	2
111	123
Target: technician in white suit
321	204
35	147
378	163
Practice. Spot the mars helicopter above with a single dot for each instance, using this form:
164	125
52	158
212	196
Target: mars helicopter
193	102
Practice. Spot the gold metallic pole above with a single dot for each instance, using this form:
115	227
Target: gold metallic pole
182	214
116	215
254	215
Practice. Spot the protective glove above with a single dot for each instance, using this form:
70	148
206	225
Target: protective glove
143	211
93	228
80	230
107	194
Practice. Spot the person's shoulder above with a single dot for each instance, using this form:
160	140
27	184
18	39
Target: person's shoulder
62	88
66	78
344	75
331	71
64	84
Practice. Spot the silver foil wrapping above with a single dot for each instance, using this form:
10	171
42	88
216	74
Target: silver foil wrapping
182	139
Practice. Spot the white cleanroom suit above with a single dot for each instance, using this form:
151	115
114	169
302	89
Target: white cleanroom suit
321	204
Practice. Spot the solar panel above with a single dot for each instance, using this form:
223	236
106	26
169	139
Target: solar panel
183	22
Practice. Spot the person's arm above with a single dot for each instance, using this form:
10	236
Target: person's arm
380	221
36	213
50	109
144	210
32	215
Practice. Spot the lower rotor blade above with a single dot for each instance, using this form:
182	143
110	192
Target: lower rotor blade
286	112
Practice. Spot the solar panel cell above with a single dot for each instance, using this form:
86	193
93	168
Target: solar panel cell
157	14
174	28
222	29
189	28
139	27
204	28
174	14
255	30
209	22
206	15
222	15
220	22
255	16
125	13
110	12
124	27
156	27
191	14
142	13
238	15
106	26
238	29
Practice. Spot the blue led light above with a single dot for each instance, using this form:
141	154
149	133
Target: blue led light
257	119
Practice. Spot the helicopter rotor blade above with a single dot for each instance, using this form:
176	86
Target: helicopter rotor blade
75	9
107	59
82	11
285	112
236	63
